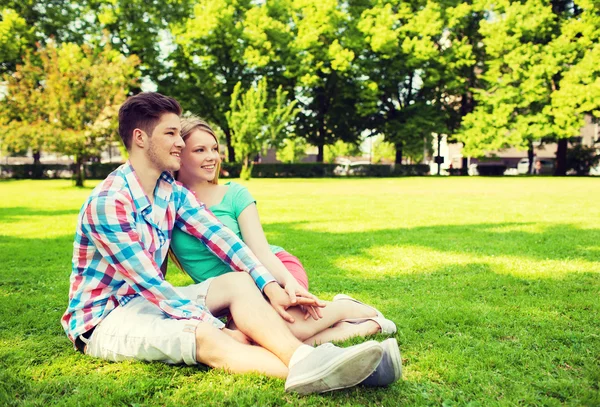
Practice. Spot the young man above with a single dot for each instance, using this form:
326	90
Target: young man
121	307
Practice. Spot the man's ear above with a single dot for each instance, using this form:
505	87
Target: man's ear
139	138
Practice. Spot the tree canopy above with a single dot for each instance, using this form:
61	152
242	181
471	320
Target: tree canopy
491	75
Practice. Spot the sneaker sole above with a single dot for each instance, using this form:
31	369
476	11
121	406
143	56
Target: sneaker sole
392	345
348	370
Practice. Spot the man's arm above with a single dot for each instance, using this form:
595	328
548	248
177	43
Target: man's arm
194	219
109	224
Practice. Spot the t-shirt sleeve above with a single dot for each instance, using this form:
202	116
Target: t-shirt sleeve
241	199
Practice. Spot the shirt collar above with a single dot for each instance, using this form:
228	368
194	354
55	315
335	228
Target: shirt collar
142	203
140	199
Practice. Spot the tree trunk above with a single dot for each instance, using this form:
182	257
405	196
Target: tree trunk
230	149
79	172
36	157
464	169
561	157
530	156
398	159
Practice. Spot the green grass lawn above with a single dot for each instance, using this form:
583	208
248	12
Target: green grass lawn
494	284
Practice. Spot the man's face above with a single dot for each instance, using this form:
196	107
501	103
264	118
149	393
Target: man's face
165	143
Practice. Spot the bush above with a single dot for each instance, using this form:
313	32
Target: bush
36	171
228	170
99	170
491	169
384	170
410	170
301	170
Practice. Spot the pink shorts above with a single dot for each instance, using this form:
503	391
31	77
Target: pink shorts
294	267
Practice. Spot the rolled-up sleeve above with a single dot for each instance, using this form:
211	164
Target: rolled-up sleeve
109	223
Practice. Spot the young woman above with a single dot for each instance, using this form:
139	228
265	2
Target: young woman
233	205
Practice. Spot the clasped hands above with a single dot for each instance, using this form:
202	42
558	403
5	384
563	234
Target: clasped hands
290	295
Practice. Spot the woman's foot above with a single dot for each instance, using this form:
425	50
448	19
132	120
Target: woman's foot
366	313
344	330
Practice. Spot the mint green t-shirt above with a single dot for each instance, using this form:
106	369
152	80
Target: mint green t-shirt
195	258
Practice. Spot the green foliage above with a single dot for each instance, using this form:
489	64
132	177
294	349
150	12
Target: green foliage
15	36
340	149
256	124
418	60
541	75
292	150
68	103
382	150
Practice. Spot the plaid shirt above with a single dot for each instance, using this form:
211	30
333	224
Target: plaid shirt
122	239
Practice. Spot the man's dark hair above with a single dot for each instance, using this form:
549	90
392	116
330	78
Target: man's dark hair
143	112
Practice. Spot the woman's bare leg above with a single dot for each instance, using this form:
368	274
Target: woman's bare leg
333	313
342	331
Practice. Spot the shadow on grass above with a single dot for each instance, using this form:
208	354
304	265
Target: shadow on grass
16	214
555	242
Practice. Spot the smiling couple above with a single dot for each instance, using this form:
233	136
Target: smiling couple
121	307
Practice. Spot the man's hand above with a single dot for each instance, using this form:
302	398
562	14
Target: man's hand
280	301
238	336
294	290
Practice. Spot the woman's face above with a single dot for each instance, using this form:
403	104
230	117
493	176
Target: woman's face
199	157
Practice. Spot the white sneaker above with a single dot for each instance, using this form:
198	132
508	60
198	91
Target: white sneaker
390	367
329	368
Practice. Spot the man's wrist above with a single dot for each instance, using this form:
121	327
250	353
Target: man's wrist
270	288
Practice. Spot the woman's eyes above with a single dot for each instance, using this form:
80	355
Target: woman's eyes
201	150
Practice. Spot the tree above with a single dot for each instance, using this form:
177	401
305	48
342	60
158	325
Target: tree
417	66
381	150
209	61
542	65
29	22
138	27
15	36
256	124
332	94
340	149
67	103
292	150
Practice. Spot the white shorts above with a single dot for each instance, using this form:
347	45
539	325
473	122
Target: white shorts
140	330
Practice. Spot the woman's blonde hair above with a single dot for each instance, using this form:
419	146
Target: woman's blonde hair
191	123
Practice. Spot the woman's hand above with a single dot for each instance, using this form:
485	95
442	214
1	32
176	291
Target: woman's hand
294	290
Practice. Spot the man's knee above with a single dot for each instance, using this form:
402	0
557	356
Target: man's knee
237	282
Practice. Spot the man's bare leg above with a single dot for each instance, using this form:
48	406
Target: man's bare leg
216	349
252	313
319	370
